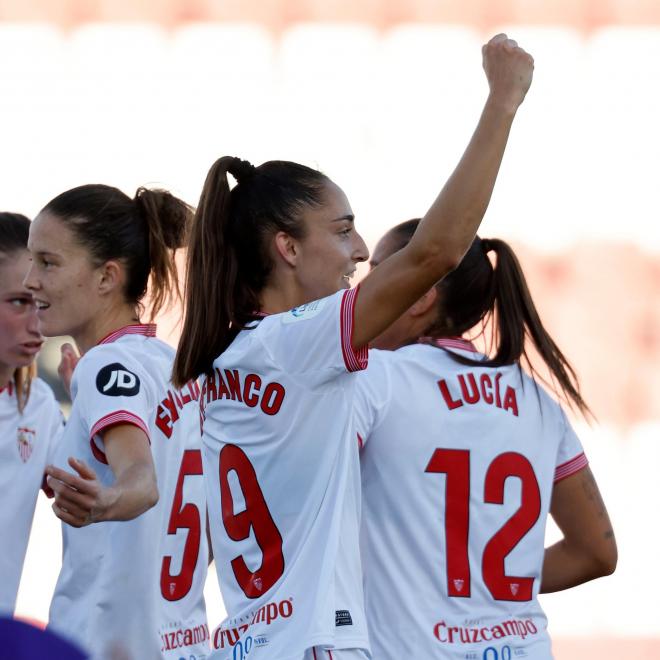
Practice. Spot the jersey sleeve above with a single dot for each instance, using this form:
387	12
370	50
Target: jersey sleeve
570	456
313	342
110	390
372	395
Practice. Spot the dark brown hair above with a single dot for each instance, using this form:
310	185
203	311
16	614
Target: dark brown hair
228	259
14	231
498	296
143	233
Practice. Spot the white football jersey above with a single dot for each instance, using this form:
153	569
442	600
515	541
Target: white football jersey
282	472
26	442
458	466
135	585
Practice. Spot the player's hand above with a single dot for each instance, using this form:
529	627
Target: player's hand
80	499
68	363
509	70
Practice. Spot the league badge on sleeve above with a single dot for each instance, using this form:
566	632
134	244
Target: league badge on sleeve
116	380
25	443
304	312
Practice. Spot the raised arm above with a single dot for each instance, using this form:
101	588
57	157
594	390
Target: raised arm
588	549
450	225
81	499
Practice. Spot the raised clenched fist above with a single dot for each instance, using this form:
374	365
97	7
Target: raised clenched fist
509	70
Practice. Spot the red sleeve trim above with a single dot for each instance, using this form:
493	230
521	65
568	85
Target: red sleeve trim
354	360
112	419
571	467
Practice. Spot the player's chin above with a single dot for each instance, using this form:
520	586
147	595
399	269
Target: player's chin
345	283
22	359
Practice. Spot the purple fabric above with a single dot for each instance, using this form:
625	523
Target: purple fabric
21	641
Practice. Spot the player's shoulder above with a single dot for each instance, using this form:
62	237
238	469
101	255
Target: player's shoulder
42	399
42	391
116	369
300	316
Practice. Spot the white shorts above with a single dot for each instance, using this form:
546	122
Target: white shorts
319	653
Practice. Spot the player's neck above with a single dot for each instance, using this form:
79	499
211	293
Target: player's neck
281	296
102	325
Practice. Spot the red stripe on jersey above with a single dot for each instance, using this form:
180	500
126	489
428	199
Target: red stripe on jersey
354	360
314	652
360	441
146	329
330	654
112	419
571	467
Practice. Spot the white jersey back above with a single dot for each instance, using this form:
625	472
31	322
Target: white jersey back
458	466
283	477
110	589
26	441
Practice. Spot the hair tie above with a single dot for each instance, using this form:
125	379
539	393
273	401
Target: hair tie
242	170
486	245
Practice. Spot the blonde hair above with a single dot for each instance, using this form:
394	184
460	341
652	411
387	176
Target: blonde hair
23	377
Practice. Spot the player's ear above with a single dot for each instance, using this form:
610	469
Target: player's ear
111	276
286	247
425	303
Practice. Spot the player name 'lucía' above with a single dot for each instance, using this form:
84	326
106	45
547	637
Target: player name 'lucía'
479	388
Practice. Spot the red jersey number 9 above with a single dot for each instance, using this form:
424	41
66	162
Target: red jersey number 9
256	517
455	463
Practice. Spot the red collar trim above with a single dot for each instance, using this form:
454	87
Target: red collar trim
146	329
9	387
449	342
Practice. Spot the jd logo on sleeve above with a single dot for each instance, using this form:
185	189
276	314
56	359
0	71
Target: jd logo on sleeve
117	380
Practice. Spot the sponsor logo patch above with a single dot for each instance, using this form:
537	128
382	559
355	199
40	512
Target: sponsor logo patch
304	312
116	380
343	618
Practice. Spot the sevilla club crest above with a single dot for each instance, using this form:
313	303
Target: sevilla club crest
25	443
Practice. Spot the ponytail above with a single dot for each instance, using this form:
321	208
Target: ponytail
209	323
168	223
229	259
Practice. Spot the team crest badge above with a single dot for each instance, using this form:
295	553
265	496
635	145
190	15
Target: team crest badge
258	583
514	588
25	443
458	585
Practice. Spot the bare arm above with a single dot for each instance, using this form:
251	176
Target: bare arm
81	499
450	225
588	549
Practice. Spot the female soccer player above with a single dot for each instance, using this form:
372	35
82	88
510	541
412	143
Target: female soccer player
30	419
464	456
272	323
132	576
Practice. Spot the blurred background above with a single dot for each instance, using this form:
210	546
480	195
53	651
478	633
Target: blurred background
382	95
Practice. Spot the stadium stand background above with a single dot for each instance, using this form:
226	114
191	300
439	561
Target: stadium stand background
382	95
